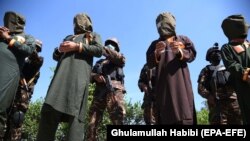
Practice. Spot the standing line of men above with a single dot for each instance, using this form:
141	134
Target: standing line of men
20	59
165	78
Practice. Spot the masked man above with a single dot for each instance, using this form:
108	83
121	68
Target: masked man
15	46
236	58
29	77
66	99
170	55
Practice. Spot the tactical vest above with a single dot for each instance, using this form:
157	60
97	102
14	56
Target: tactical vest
220	82
220	75
115	72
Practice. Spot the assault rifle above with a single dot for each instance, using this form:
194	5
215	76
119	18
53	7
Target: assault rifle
107	78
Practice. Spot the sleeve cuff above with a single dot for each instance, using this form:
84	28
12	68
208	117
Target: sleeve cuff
11	43
181	56
80	47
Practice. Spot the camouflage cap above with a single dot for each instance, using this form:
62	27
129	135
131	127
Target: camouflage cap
82	23
114	41
166	24
235	26
214	48
14	22
39	45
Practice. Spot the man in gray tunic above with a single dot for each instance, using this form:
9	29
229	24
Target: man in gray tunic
66	98
15	46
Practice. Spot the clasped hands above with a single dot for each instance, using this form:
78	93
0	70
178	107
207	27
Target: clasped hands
68	46
174	46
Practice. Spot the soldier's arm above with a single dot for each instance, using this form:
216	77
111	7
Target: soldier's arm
114	56
150	55
202	90
142	82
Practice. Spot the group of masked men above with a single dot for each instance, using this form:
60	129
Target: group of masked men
164	79
214	84
19	54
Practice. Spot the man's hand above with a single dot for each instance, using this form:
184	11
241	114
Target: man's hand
143	87
159	49
175	46
248	79
99	78
246	75
68	46
4	33
114	56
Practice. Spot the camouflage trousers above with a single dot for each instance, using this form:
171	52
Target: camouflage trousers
224	112
16	116
149	110
114	102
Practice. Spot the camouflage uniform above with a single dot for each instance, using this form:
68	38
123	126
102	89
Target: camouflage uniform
146	84
221	98
29	77
108	94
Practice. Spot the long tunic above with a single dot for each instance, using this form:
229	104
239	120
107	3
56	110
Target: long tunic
236	62
68	89
174	95
11	62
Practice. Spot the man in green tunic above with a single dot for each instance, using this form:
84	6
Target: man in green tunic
67	94
236	58
29	77
15	46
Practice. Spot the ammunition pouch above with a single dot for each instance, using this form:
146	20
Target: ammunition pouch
118	85
226	93
23	99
